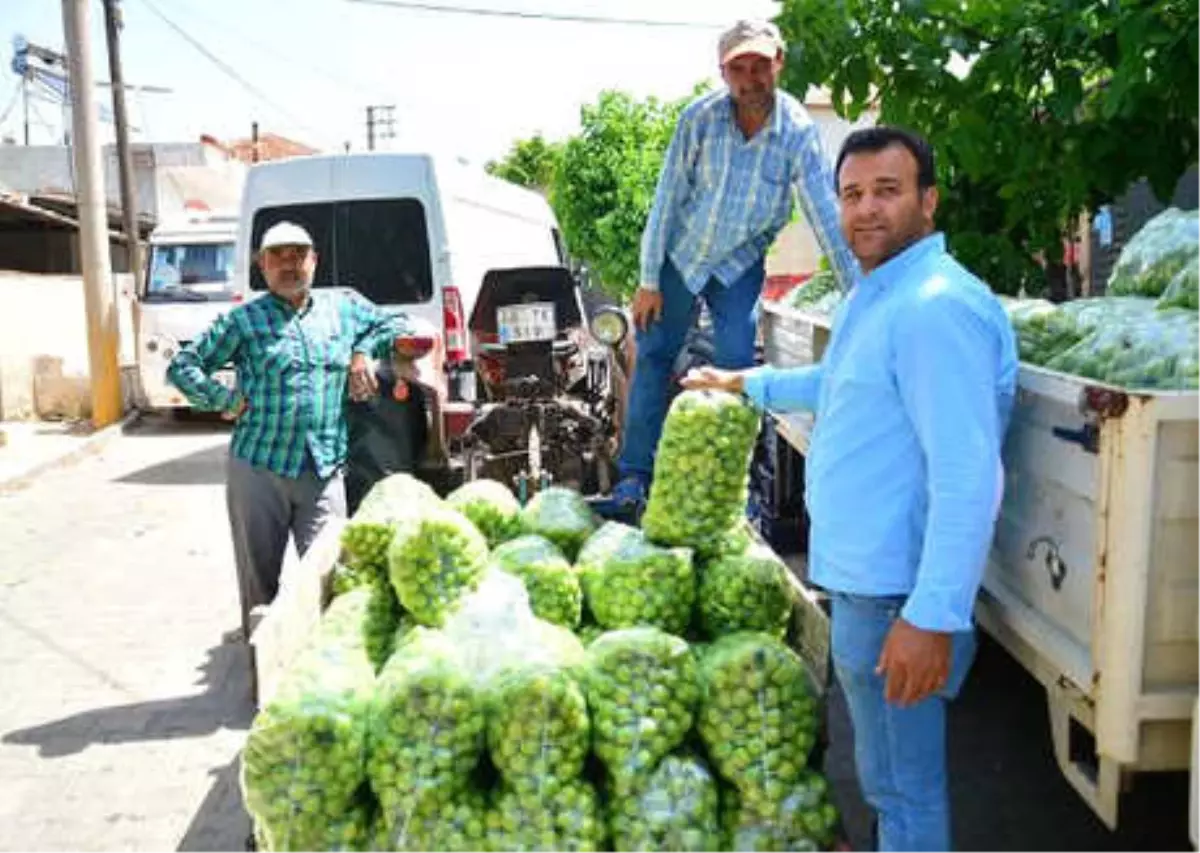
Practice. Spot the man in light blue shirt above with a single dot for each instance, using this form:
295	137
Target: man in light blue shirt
725	192
903	477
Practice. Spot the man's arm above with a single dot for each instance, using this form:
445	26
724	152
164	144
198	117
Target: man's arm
672	186
192	367
375	330
784	389
815	193
945	368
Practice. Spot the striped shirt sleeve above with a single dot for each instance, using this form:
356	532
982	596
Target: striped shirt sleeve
375	330
192	368
672	186
815	192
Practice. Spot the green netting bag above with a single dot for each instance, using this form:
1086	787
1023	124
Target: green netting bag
491	506
381	623
642	689
304	761
701	470
433	559
751	591
758	716
628	581
562	516
567	819
451	817
803	819
1165	245
555	593
676	808
367	536
1184	289
1154	351
426	734
815	292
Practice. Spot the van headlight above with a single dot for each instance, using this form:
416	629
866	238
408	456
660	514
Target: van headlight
609	326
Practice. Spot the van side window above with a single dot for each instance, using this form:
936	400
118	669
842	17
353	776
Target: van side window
379	247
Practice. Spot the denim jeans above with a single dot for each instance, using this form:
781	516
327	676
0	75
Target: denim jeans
899	753
734	311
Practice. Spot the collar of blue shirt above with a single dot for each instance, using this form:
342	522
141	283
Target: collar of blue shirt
895	267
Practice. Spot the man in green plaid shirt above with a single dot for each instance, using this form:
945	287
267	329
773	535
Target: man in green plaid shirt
297	354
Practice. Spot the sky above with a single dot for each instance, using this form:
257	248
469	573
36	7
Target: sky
467	84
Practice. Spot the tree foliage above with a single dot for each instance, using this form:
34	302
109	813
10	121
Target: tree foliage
1062	104
530	163
605	185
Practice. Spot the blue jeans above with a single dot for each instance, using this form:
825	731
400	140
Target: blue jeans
734	317
899	753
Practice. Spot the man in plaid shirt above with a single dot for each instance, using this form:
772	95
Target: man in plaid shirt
297	353
734	163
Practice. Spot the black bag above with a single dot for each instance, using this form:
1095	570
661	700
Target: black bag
387	435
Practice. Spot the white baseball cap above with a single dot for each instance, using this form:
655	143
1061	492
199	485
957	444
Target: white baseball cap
285	234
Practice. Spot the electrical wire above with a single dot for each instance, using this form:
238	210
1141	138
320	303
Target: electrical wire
346	83
231	72
538	16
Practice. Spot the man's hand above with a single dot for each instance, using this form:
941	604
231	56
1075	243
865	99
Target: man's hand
705	378
237	411
362	378
915	662
647	307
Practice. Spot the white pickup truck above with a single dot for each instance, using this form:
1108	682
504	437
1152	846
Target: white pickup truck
1093	575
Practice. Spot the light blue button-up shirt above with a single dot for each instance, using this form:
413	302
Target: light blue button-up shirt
722	199
912	400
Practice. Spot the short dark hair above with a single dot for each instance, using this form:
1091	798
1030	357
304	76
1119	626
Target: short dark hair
875	139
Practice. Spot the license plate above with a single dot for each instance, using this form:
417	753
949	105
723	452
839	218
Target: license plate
519	324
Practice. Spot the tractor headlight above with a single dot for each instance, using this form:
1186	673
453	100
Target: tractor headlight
609	326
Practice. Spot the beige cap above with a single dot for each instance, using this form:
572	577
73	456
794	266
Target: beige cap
758	37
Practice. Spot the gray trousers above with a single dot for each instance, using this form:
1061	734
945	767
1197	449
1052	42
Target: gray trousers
264	509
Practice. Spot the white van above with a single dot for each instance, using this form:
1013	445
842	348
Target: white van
414	232
189	282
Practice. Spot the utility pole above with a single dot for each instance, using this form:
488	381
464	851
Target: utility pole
25	104
113	22
381	124
99	299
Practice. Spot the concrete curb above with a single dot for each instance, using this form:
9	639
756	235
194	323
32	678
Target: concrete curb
92	444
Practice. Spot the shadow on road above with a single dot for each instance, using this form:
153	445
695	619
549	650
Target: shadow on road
202	468
221	822
224	704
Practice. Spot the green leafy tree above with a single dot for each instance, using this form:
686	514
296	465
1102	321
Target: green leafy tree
529	162
605	184
1056	107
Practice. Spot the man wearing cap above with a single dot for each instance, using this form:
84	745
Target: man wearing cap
297	352
724	194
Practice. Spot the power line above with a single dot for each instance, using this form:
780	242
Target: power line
539	16
347	83
229	70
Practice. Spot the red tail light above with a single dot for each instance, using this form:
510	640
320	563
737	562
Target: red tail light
454	325
414	346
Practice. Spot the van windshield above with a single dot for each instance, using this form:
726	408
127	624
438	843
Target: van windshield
379	247
190	272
